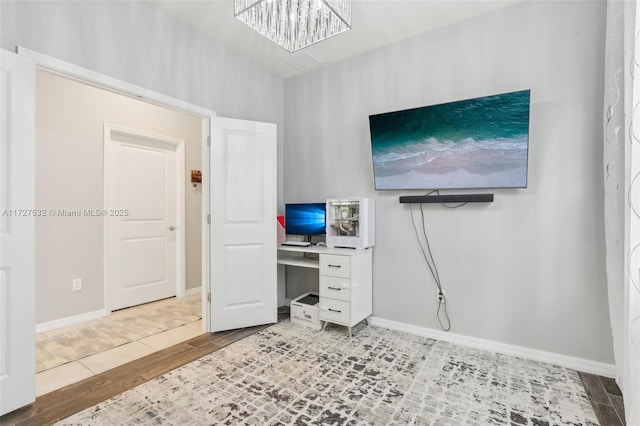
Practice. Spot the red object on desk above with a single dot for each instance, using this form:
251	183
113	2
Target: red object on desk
281	232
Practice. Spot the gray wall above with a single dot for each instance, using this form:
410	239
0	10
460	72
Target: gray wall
134	42
527	269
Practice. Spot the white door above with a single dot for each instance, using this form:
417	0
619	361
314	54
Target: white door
17	232
243	224
144	225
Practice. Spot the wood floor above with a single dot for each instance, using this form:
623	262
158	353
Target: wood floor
74	398
606	399
604	394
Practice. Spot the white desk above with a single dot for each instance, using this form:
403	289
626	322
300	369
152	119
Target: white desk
346	294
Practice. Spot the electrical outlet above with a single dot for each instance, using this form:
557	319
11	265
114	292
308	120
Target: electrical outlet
77	284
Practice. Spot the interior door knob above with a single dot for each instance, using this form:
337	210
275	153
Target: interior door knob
171	228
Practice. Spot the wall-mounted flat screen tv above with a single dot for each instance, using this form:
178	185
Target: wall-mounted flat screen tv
474	143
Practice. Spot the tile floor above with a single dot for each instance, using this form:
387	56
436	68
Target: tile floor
70	354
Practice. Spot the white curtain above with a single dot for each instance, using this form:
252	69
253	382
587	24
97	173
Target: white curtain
622	194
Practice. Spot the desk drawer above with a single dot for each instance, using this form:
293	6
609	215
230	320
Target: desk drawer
335	265
337	311
335	287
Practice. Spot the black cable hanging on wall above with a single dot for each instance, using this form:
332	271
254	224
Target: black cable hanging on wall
425	247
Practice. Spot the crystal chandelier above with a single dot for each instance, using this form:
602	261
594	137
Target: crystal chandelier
295	24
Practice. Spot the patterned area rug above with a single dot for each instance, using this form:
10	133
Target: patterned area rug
60	347
288	374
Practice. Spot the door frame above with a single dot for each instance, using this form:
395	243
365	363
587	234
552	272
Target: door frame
105	82
178	144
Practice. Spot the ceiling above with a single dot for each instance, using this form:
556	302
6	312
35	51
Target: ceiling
375	23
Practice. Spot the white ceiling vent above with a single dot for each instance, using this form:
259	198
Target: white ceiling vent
302	60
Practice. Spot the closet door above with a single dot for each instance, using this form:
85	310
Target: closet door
243	224
17	231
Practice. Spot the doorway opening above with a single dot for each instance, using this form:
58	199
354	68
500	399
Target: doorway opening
73	267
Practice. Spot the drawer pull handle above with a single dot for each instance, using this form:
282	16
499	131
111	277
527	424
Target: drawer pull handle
335	310
335	288
334	266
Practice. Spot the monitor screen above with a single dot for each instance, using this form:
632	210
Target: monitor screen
474	143
305	218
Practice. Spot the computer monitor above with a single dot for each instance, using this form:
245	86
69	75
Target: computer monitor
305	218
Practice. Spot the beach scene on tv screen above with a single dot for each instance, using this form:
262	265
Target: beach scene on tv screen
474	143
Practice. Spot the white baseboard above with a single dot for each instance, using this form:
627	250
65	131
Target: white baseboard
67	321
191	291
579	364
